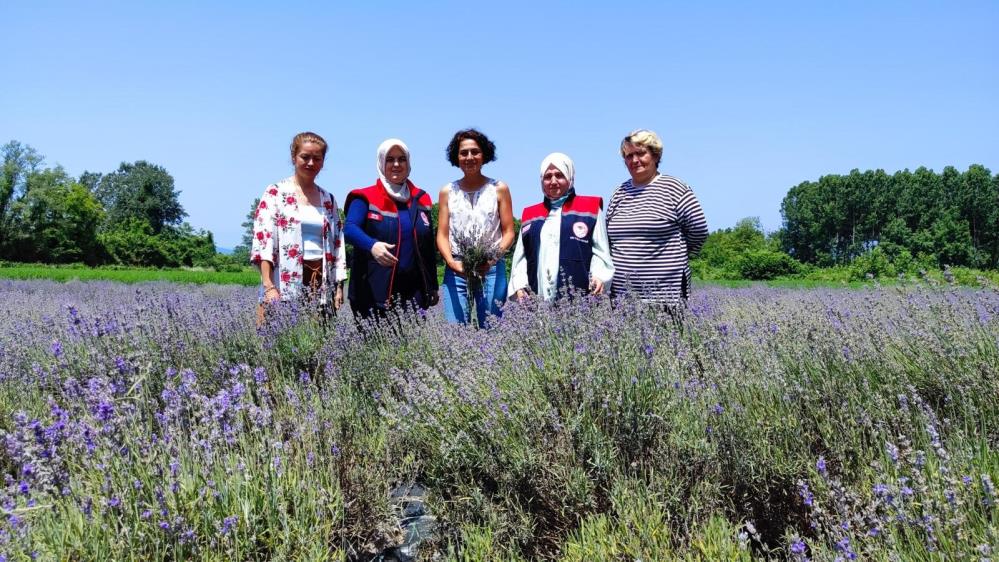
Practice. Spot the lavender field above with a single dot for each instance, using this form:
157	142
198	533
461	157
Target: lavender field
155	422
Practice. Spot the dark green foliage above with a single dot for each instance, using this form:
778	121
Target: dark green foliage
759	265
950	218
744	252
187	246
19	161
55	221
140	191
128	217
133	243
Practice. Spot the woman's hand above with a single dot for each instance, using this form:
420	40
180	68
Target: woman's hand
382	253
271	294
596	286
484	268
457	267
338	296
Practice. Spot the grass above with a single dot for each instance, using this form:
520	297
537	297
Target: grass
789	283
246	277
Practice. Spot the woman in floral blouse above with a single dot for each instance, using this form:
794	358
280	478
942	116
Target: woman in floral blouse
297	233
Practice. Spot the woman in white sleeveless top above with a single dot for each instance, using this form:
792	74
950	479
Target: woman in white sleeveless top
481	205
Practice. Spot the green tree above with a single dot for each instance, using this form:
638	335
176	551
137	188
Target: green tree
241	253
951	218
19	162
132	242
141	191
805	235
976	200
90	180
184	246
743	252
57	221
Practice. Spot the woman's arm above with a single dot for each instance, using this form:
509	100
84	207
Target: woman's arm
271	292
263	252
601	266
519	283
692	222
339	248
353	230
506	216
443	232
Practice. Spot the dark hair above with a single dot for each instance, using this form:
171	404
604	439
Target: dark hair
487	146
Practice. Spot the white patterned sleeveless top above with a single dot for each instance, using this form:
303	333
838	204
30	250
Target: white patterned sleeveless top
479	207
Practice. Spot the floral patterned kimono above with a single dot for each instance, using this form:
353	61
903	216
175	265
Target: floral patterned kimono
277	237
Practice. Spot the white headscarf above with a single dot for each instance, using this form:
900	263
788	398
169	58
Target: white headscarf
399	192
563	163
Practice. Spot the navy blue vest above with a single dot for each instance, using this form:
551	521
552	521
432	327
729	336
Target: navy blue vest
371	284
579	218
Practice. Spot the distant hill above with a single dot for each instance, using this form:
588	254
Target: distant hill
221	250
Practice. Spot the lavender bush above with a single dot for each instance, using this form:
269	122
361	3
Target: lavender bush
155	422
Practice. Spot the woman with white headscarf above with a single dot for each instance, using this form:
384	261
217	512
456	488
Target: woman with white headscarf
563	240
388	224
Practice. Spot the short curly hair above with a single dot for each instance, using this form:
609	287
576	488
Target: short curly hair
487	146
649	139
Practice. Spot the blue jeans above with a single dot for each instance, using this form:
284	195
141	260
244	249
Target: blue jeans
489	296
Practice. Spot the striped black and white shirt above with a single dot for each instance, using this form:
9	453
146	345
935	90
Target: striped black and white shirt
653	230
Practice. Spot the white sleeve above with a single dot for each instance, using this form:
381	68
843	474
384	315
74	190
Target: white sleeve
601	266
518	272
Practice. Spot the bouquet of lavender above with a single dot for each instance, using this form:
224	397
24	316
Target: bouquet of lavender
477	249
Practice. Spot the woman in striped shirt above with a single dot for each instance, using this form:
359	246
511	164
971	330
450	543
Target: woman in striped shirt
655	224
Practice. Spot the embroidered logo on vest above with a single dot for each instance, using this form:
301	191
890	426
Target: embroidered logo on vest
426	219
526	227
580	229
374	216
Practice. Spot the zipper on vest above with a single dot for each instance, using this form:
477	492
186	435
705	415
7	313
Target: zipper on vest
398	250
419	258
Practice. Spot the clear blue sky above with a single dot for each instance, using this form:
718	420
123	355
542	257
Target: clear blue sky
750	98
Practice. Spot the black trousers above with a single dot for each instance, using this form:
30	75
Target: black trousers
407	288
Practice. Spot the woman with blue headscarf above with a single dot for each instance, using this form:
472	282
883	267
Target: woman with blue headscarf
563	243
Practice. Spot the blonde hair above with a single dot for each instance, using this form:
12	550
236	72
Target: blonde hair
302	138
644	137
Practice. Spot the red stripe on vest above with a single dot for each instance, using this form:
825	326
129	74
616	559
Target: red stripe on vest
578	203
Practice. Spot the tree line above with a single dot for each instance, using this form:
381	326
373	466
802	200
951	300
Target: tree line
943	219
131	216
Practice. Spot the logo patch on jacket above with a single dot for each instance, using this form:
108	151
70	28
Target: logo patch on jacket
526	227
374	216
426	219
580	229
